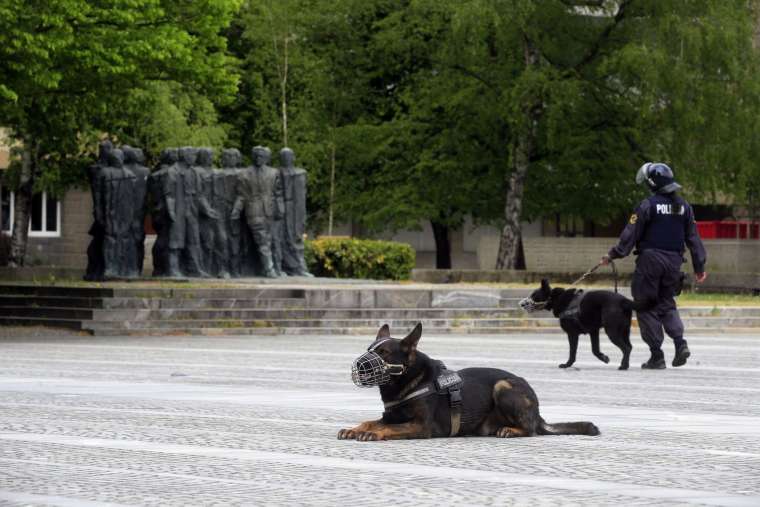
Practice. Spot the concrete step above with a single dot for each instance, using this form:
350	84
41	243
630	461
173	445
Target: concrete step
209	293
183	314
295	309
722	311
363	331
315	324
54	291
46	312
18	300
123	303
319	324
40	321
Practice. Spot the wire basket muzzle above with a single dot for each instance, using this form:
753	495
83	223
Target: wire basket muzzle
370	370
529	305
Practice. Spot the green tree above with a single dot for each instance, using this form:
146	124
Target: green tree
165	113
306	99
410	110
66	64
586	90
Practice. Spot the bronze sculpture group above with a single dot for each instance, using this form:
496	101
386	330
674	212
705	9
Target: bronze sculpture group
210	222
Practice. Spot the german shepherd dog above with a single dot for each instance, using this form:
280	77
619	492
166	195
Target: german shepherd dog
582	312
423	399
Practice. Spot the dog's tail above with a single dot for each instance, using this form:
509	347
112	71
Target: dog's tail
568	428
639	305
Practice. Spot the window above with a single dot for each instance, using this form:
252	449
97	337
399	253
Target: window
45	221
6	210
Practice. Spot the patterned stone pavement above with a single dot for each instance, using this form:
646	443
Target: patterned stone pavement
252	421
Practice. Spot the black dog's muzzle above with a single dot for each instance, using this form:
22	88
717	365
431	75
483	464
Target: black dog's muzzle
371	370
529	305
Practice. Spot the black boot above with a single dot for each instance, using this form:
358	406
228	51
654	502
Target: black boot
682	354
656	361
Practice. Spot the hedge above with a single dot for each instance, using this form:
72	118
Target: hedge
359	258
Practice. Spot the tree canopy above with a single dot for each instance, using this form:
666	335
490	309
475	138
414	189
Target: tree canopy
406	111
67	67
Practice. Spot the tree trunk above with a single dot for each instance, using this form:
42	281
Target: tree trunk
332	187
22	209
442	245
511	236
510	245
284	91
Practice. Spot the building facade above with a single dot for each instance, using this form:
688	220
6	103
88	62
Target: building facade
57	228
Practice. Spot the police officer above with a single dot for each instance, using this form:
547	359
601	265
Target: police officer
660	229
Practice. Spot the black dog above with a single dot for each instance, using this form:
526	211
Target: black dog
582	312
423	399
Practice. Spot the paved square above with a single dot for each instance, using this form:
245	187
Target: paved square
253	421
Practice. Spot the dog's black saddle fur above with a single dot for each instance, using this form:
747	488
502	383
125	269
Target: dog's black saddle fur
573	310
448	383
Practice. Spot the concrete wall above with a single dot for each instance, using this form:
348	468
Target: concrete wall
70	249
549	254
466	244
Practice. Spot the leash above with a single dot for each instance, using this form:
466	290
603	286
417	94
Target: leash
590	271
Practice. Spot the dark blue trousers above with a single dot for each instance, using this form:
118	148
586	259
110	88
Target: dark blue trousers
656	278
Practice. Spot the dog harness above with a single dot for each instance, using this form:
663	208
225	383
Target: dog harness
449	384
573	310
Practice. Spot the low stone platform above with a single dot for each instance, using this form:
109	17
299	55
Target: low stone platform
299	306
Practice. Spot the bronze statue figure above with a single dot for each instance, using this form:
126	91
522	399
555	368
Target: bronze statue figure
116	187
95	260
133	162
226	222
258	193
294	227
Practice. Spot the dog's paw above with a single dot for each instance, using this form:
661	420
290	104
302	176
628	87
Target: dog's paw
623	367
507	432
368	436
565	365
346	434
603	358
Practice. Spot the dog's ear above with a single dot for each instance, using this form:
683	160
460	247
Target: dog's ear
385	332
545	285
409	344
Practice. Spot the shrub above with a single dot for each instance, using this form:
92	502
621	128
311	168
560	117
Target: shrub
359	258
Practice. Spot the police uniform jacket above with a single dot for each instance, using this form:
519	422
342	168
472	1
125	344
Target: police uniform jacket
662	222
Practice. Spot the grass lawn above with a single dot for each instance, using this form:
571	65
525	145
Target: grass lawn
715	299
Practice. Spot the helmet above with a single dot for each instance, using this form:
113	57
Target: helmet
658	177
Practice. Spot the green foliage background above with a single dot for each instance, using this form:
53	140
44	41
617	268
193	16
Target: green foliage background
422	100
418	102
